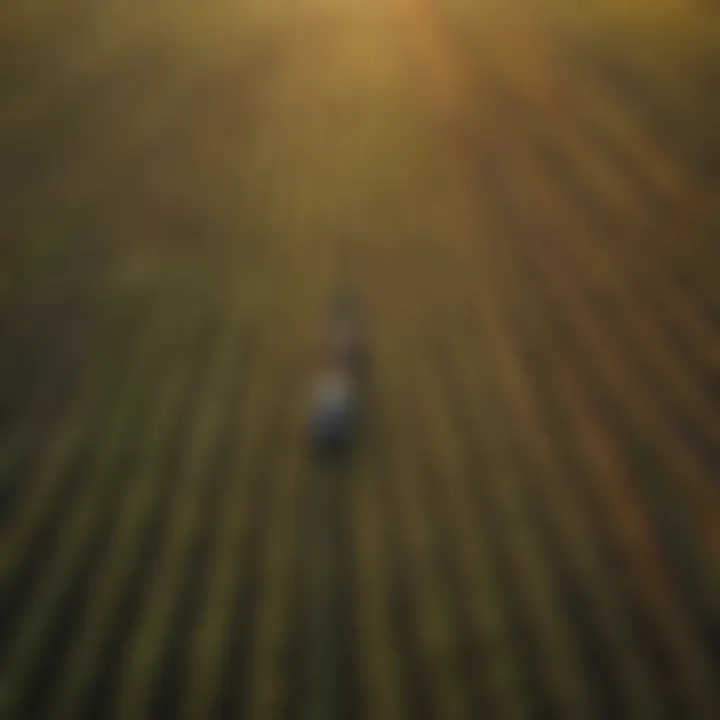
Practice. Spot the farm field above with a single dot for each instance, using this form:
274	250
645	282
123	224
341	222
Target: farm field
526	196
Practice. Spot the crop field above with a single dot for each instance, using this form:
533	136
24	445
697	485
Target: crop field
525	195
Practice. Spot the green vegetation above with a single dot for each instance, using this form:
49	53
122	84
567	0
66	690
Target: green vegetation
525	195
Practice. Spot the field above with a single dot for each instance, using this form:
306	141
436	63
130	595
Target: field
527	197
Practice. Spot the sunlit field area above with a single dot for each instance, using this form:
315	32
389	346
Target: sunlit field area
525	195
